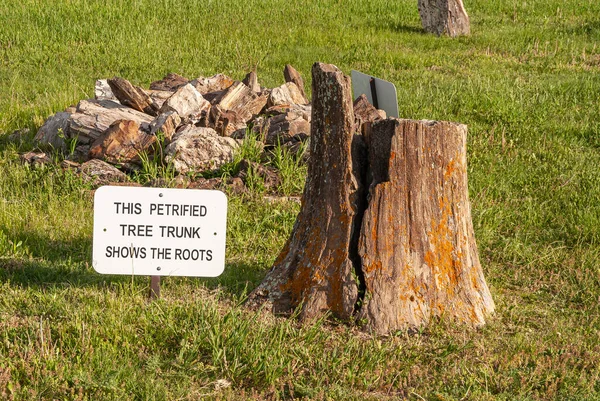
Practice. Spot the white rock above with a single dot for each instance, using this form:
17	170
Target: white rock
199	149
186	101
102	91
287	93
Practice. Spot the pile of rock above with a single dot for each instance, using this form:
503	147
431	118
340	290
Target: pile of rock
196	125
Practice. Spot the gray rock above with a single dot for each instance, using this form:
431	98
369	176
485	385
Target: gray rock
100	172
54	131
199	149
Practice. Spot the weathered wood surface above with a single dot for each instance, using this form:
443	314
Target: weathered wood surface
54	131
216	83
417	246
315	268
93	117
166	123
240	99
282	128
224	122
292	75
170	82
122	143
100	172
132	96
397	255
251	81
365	114
444	17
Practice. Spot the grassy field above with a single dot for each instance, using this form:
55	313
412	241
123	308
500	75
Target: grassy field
527	83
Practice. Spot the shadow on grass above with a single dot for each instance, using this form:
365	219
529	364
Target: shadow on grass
38	246
407	29
41	274
44	263
237	280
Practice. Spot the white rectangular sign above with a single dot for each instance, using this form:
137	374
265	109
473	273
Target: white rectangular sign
380	93
159	231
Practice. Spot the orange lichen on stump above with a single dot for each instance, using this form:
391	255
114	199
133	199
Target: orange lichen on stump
392	255
419	202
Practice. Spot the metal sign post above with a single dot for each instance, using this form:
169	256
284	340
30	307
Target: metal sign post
154	287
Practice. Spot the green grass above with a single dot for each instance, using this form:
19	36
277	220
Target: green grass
527	83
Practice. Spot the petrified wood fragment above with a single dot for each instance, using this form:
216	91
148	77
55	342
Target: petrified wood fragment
444	17
171	82
166	123
186	101
251	81
93	117
132	96
365	114
240	99
216	83
286	94
102	91
291	75
122	142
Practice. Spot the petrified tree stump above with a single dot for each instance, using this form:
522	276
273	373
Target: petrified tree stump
314	268
384	233
417	246
444	17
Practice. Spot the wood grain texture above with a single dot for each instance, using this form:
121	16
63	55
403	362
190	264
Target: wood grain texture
122	142
292	75
314	269
133	96
444	17
384	233
417	245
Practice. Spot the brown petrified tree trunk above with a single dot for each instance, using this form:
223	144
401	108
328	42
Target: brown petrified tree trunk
444	17
384	233
417	245
315	268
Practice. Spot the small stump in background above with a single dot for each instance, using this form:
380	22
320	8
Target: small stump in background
444	17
